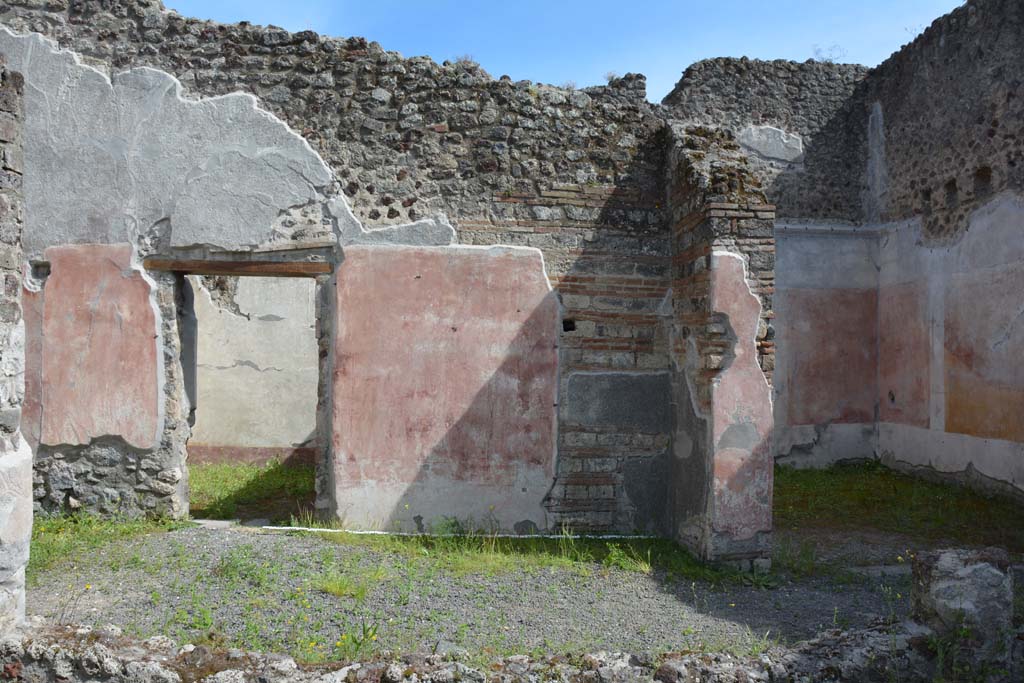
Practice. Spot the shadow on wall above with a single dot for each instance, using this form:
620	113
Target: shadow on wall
504	459
445	383
456	356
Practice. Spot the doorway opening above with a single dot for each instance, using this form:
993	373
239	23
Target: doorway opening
251	368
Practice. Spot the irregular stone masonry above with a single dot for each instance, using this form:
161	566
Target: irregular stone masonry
943	140
944	166
634	207
573	173
15	454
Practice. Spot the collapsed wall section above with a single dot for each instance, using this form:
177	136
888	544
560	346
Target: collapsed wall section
15	453
941	121
795	122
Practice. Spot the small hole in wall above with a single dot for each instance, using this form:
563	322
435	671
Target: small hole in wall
926	202
892	397
40	270
983	182
952	198
568	325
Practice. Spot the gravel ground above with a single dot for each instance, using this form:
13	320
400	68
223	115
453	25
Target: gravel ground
260	590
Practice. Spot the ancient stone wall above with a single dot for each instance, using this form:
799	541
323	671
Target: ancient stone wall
106	407
898	336
930	132
941	121
794	121
15	453
574	173
722	349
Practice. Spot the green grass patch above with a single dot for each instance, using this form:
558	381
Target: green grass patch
871	496
240	565
481	553
58	539
242	490
356	585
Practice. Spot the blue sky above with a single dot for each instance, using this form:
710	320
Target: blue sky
558	41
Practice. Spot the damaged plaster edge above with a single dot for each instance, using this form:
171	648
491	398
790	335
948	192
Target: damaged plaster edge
198	283
556	389
135	263
718	253
772	143
999	460
816	446
178	88
689	371
432	231
1007	197
303	160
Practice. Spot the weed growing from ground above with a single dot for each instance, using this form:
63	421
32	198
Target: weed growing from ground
627	559
351	585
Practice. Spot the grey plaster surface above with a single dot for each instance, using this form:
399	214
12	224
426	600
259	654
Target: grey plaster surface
819	259
772	142
620	399
128	157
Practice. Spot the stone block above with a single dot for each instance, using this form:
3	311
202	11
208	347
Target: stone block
966	596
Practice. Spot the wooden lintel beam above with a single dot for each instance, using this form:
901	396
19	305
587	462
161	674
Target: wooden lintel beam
257	268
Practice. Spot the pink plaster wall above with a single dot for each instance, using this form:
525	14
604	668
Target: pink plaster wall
444	385
91	350
832	354
741	413
904	363
984	347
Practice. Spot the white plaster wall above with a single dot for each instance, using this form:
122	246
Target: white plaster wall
891	255
993	244
257	370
